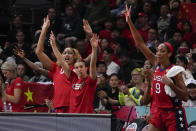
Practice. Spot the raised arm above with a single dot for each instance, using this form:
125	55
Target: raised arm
59	56
139	42
33	66
94	44
47	62
88	30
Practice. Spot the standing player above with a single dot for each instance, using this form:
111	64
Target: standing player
167	112
56	73
83	85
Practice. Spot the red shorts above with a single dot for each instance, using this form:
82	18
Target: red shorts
62	110
169	119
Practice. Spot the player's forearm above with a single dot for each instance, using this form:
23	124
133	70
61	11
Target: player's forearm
93	61
182	94
40	45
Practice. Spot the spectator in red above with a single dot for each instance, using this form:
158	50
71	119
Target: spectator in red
106	32
83	85
115	33
143	25
183	48
15	87
1	92
189	35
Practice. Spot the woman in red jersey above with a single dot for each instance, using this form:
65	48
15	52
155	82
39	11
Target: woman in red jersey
167	112
1	92
83	85
15	88
56	73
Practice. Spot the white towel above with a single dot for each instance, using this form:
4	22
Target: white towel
171	73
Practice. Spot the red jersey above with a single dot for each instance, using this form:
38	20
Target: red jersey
1	105
159	98
62	86
17	84
82	94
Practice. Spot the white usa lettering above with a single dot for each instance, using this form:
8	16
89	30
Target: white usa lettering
77	86
61	71
158	78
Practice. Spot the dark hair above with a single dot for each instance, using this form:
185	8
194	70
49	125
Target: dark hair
100	63
172	57
123	42
75	42
113	74
122	53
187	22
183	59
177	31
109	50
70	5
104	74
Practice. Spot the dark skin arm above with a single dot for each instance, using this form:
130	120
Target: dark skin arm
179	87
139	42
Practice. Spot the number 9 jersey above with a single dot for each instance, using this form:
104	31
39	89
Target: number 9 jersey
159	98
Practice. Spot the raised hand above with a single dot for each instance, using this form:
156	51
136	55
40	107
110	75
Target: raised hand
52	39
127	13
87	27
94	41
46	23
19	52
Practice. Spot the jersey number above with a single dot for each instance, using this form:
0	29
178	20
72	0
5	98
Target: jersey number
158	88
